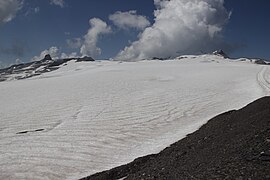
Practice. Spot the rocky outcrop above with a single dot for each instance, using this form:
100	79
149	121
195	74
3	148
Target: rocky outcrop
27	70
261	62
85	58
47	57
220	53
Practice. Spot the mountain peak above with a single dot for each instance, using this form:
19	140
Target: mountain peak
47	57
220	53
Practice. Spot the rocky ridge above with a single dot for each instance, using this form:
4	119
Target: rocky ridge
30	69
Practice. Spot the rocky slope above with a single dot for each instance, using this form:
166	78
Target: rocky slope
233	145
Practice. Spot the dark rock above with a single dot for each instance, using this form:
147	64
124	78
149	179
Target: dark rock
30	131
30	69
265	156
57	62
236	147
160	58
85	58
260	61
157	58
47	57
182	57
221	53
22	132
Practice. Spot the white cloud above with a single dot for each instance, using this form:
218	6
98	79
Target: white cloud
60	3
2	65
36	9
130	19
18	61
71	55
9	9
32	11
74	43
89	46
180	27
55	53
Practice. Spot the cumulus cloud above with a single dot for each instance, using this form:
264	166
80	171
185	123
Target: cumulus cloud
71	55
89	45
9	9
180	27
53	51
60	3
55	54
18	61
130	19
74	43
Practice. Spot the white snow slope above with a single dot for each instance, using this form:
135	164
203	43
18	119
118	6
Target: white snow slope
99	115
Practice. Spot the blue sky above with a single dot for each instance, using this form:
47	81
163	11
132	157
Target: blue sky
38	25
249	26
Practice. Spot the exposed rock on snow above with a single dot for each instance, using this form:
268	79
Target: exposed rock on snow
27	70
85	58
47	57
221	53
262	62
159	58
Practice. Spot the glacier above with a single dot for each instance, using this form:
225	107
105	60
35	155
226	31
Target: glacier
92	116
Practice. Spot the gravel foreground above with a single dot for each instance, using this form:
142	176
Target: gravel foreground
232	145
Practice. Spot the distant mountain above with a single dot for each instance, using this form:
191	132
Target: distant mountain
47	64
27	70
255	60
221	53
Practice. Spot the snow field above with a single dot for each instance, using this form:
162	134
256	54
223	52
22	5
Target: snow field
89	117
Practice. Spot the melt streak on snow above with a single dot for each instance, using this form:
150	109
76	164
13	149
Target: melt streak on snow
88	117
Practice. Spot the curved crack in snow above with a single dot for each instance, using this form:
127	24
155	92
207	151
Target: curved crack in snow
263	80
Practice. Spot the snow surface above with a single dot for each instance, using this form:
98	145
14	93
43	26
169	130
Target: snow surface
98	115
